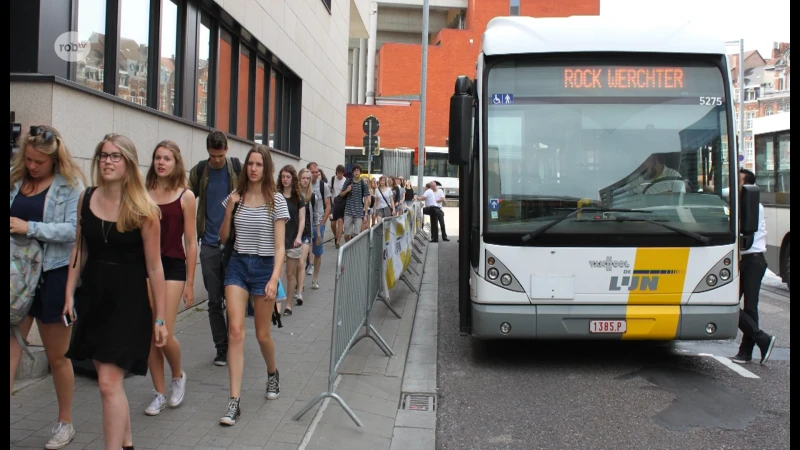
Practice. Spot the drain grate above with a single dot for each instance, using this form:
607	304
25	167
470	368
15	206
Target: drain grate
419	402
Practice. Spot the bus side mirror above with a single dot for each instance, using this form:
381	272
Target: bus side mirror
749	200
460	134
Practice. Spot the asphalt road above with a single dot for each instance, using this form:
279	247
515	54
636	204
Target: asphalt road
609	395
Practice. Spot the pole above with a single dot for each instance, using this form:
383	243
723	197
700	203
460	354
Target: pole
741	99
369	152
422	95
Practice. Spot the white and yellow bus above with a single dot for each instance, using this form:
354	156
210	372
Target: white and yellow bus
594	184
772	138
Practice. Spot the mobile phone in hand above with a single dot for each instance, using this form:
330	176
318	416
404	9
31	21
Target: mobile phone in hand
65	318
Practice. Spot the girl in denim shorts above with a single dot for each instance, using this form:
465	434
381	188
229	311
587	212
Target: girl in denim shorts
254	268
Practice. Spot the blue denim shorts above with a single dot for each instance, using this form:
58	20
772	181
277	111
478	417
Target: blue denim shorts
249	272
316	250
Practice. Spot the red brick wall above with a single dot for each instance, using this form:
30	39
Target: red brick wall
398	72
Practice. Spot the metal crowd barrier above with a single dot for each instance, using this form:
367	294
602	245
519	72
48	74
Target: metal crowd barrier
358	280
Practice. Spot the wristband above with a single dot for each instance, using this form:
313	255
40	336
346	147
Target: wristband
159	322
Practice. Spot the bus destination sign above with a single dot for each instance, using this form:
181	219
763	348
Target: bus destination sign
651	78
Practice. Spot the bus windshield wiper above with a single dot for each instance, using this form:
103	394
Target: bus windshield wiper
555	222
696	236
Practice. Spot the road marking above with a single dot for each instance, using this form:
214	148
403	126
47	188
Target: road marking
732	365
318	417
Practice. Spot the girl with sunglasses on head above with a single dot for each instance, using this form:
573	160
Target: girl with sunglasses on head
166	184
117	251
45	186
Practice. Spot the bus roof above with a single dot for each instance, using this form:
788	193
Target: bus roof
771	124
521	35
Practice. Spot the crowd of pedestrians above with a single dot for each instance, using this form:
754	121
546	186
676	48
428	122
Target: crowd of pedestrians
119	259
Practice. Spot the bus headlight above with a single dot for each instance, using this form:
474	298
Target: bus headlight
499	275
719	275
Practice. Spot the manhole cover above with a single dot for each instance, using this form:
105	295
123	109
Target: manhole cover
419	402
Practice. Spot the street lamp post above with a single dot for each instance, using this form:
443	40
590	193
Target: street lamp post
422	95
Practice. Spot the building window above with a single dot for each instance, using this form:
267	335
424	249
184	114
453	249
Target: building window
749	155
327	4
273	107
203	70
243	98
133	47
768	111
514	8
224	65
786	107
261	81
169	48
752	95
91	32
748	119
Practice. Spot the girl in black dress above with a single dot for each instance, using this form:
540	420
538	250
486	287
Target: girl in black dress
118	248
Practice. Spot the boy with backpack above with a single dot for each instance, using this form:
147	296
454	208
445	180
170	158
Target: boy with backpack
211	181
356	194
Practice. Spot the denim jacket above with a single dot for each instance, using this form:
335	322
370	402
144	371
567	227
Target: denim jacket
57	231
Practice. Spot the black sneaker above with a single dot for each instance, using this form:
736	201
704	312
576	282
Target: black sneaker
232	414
221	359
742	358
766	350
273	386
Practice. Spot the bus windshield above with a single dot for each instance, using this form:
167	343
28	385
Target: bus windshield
637	137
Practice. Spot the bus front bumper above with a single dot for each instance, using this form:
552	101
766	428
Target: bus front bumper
643	322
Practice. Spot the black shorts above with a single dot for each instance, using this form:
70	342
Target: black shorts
48	302
338	207
174	268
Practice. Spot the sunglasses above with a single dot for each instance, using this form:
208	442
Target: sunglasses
47	135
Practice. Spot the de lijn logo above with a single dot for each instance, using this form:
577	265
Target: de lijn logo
642	280
69	47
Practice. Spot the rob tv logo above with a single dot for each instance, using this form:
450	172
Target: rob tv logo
69	47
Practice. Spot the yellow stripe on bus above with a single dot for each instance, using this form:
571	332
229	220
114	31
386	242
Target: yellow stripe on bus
653	310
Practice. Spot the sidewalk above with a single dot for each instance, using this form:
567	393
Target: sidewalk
370	383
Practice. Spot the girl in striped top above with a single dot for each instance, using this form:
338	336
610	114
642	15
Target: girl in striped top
254	268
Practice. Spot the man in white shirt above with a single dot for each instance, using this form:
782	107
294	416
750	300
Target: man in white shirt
752	266
657	178
433	207
337	218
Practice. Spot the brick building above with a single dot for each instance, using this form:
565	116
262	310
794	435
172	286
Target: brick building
766	84
390	91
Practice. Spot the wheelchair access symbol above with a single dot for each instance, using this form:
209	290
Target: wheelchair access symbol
502	99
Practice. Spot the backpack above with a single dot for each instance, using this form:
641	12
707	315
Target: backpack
237	166
27	259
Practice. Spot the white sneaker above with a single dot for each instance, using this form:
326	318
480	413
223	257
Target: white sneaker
310	270
178	391
156	406
63	433
315	285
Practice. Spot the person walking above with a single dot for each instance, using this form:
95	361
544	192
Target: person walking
338	206
211	181
46	184
254	268
322	209
116	252
290	189
752	267
166	184
357	203
433	198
